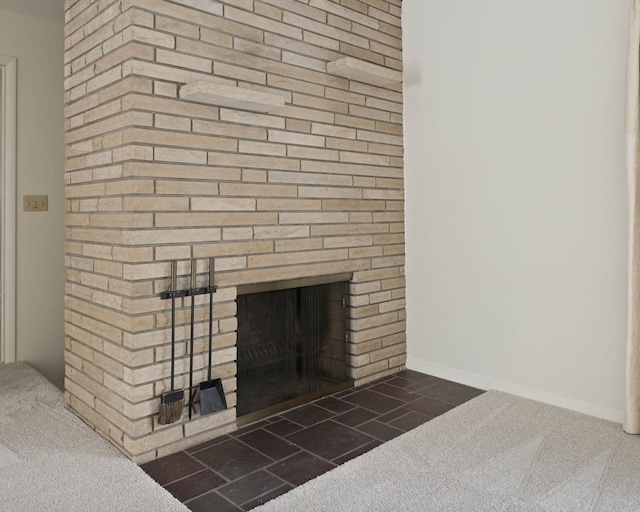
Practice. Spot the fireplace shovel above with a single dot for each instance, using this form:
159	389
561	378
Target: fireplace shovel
212	397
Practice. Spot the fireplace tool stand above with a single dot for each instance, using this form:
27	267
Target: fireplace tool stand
211	391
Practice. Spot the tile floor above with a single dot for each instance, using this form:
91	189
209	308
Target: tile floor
249	467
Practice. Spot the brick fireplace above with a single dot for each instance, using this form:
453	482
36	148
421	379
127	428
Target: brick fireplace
264	133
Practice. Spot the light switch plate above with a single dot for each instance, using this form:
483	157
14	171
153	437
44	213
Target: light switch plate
35	203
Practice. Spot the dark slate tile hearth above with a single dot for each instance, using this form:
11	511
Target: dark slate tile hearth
308	415
232	459
357	452
211	501
392	415
300	468
269	444
283	428
450	392
195	485
266	497
402	394
430	406
335	405
173	467
329	439
355	416
373	401
250	487
261	461
379	430
409	421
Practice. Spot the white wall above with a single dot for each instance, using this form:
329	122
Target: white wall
516	206
38	46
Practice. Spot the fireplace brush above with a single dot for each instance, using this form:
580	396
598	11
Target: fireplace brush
172	403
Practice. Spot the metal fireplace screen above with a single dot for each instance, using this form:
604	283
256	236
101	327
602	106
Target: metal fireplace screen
291	347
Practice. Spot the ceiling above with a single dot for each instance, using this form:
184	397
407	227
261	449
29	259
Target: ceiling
50	9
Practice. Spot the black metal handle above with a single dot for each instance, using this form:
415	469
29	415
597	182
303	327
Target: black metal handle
194	273
211	290
173	285
193	308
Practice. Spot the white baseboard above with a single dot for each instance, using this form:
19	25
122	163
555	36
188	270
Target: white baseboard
482	382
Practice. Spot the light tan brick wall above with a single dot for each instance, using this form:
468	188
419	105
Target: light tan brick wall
313	188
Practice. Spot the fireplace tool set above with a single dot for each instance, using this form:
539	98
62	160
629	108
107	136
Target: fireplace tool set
211	392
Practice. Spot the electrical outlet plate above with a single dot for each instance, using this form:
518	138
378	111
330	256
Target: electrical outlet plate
35	203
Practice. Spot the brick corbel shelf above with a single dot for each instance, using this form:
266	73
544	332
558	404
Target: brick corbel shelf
362	71
211	93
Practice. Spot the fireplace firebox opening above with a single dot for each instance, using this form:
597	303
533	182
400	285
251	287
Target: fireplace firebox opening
291	344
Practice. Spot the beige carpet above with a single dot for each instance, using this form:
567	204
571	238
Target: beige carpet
497	453
51	461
